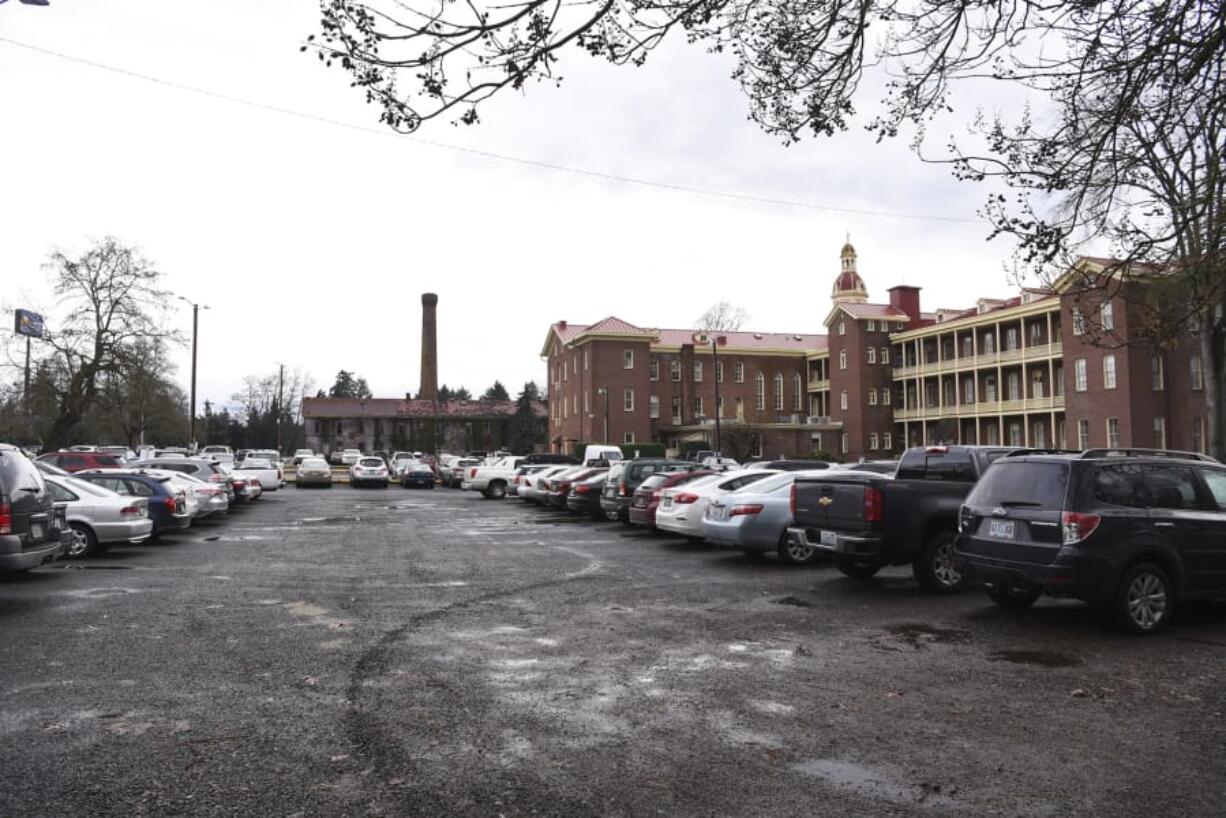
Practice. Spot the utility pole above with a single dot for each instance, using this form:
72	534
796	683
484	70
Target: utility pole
191	423
719	452
280	388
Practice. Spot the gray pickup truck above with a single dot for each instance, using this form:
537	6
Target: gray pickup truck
866	521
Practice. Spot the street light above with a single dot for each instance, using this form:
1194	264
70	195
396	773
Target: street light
191	424
602	391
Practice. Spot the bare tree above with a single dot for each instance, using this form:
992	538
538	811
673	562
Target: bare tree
723	317
110	302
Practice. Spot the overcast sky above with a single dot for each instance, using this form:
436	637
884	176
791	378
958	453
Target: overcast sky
311	242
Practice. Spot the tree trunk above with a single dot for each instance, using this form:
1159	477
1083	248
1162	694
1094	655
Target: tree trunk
58	437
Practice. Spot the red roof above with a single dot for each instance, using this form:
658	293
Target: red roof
873	311
848	281
737	339
395	407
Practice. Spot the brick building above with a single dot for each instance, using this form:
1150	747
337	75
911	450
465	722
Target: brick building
1065	367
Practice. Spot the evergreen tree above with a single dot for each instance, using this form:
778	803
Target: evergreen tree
349	385
496	392
525	428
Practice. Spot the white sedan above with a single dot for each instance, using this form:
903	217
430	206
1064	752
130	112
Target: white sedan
682	508
262	469
368	470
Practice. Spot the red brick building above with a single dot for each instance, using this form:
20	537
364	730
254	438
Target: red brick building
1065	367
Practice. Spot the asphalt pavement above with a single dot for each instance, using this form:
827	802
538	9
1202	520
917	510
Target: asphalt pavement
397	652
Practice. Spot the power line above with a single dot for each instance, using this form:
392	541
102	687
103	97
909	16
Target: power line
595	174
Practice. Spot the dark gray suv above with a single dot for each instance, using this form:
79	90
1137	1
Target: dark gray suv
33	529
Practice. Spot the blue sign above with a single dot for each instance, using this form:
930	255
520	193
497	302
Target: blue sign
29	323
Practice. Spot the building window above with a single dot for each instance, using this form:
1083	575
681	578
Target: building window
872	355
778	392
759	391
575	400
846	443
1036	385
697	371
797	393
565	372
585	360
674	371
698	406
872	397
1015	434
628	437
989	344
887	441
1156	374
989	389
719	371
1079	322
628	400
872	441
1036	334
653	407
586	403
1011	339
1014	385
885	355
1198	435
1083	434
968	390
843	400
1107	316
885	397
653	370
1040	435
1198	373
842	328
574	362
738	372
719	406
842	359
676	410
628	359
1108	372
872	325
1159	433
1113	433
1079	374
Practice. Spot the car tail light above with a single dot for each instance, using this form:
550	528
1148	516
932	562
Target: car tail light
472	473
872	505
745	510
792	499
622	489
1077	526
583	488
6	517
130	511
657	494
685	498
170	503
564	486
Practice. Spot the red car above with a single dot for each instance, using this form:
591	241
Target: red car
647	496
73	462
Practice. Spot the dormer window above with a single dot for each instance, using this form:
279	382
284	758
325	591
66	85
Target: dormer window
842	328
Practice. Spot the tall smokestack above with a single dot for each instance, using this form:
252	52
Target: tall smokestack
429	347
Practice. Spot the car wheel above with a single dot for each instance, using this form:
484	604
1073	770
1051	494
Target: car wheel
84	543
935	569
1011	596
795	553
849	567
497	490
1145	600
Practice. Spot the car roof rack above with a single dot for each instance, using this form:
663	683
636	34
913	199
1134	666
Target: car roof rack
1020	452
1171	453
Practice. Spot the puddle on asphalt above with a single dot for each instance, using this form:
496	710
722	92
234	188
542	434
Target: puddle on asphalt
1039	658
348	518
100	567
919	635
794	601
875	784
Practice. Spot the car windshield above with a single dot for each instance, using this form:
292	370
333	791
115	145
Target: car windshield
256	463
371	462
1011	482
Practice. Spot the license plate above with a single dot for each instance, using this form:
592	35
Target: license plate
37	532
829	538
1000	528
668	502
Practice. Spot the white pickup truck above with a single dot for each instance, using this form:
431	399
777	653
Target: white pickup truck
492	479
262	469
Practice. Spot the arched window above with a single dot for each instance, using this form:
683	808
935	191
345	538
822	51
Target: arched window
798	397
778	392
759	391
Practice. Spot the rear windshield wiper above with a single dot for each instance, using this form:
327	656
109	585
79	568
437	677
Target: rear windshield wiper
1016	503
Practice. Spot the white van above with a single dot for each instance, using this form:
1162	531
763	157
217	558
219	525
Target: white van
596	452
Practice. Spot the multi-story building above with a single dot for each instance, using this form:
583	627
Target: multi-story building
1065	367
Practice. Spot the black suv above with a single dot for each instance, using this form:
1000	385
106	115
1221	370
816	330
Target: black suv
1135	529
33	529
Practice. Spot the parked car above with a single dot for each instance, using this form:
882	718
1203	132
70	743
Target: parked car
601	454
241	454
351	456
866	521
72	461
584	496
221	454
1136	530
261	468
122	452
367	471
166	504
453	476
550	460
302	454
416	474
397	462
313	471
536	486
682	508
33	527
211	498
560	485
647	496
720	464
270	454
797	464
201	468
755	519
492	479
875	466
624	477
98	517
521	477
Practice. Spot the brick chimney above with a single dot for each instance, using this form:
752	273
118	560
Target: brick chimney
906	299
429	347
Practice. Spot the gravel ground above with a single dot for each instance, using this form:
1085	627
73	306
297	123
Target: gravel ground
344	652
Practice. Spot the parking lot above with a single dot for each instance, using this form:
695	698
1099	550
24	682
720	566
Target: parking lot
345	652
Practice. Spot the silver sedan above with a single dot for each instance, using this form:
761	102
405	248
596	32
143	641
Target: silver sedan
98	516
755	519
